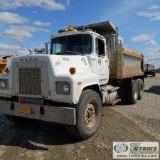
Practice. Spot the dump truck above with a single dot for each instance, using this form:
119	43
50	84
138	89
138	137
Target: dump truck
68	81
3	64
149	69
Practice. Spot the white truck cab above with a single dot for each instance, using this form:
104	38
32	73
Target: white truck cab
67	84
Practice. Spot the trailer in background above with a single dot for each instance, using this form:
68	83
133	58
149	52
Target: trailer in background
149	69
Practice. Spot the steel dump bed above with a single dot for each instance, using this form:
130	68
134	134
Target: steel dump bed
126	63
102	28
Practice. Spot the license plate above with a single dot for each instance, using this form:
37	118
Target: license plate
26	109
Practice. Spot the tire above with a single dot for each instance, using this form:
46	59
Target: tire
154	74
88	115
140	88
18	120
133	94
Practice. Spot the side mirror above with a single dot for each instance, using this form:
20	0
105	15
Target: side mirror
111	41
47	46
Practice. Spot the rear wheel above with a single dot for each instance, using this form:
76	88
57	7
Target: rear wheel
88	116
133	93
140	88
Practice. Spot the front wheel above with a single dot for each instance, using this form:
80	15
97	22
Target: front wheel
89	111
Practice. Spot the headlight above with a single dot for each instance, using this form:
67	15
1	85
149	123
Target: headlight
66	88
63	87
3	84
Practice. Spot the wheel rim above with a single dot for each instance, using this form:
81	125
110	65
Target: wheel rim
90	115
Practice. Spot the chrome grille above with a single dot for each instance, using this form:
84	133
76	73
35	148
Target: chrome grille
30	81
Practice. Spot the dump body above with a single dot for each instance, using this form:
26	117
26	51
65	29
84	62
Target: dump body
125	63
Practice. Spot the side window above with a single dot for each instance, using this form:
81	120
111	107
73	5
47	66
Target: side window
100	50
58	45
57	48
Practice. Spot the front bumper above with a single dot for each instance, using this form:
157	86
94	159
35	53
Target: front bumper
63	115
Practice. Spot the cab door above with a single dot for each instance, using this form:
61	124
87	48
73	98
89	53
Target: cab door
102	60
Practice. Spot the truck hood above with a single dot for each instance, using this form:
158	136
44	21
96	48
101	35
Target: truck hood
60	64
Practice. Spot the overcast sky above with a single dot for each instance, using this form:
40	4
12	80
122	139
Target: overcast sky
28	24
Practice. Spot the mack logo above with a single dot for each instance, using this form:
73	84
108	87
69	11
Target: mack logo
28	59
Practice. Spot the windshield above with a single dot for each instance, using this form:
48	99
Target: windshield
72	45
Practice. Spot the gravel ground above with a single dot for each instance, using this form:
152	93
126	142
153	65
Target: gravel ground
45	141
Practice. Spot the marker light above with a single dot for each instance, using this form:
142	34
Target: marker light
72	70
70	27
